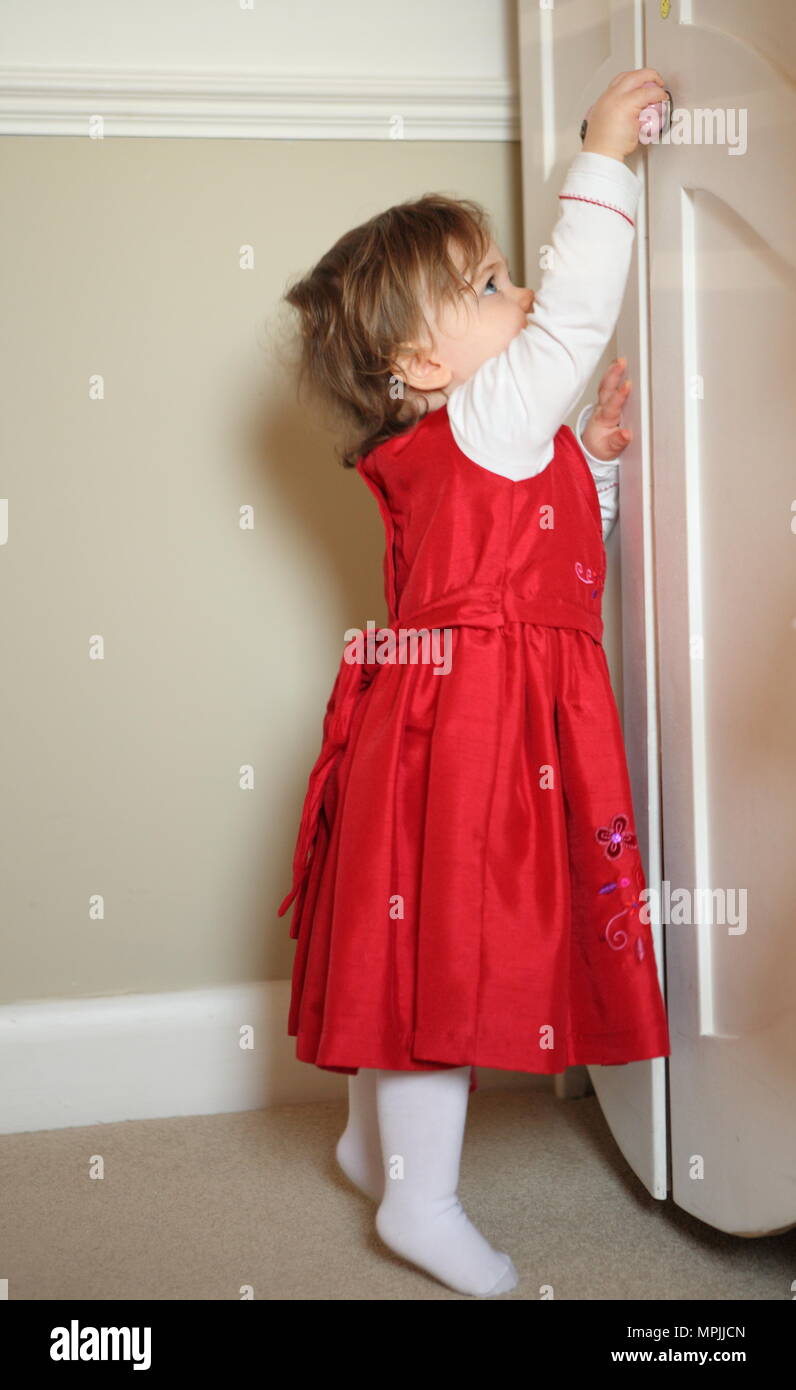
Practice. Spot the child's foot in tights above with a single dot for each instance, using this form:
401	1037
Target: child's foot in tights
421	1120
358	1149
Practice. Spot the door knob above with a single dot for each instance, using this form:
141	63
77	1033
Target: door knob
656	118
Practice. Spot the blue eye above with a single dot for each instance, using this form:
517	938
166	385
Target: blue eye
490	281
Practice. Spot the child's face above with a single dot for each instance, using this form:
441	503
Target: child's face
468	334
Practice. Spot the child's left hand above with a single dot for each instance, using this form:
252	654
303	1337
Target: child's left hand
603	436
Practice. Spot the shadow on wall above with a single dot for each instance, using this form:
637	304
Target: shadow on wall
335	515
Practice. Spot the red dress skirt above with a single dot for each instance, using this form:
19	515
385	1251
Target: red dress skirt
467	885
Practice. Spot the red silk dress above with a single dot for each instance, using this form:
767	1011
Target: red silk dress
467	880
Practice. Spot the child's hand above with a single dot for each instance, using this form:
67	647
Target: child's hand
613	120
602	436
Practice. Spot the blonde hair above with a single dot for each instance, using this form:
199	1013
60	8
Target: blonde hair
362	304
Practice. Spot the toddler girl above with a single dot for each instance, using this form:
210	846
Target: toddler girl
467	882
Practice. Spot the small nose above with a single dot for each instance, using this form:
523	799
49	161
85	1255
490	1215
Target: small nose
527	301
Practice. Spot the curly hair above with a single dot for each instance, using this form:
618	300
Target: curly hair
363	303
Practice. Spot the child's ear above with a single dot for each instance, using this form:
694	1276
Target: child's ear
418	369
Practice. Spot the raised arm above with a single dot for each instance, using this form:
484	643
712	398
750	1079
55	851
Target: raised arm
504	417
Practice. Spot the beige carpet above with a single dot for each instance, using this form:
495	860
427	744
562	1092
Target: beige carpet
196	1208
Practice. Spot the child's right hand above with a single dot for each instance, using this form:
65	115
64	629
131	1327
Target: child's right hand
613	121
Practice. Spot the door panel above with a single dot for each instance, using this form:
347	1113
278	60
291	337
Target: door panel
569	53
723	307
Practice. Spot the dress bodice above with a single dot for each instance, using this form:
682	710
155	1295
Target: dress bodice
468	546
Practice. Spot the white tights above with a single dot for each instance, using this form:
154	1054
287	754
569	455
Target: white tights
402	1146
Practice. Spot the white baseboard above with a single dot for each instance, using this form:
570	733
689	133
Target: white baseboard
96	1060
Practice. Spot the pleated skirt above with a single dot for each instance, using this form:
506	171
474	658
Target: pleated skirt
475	893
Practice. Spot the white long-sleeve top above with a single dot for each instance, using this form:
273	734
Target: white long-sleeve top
505	416
604	474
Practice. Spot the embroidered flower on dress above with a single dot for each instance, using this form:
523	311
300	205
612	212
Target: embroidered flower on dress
616	836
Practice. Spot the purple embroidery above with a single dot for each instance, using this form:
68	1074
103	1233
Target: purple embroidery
616	836
617	936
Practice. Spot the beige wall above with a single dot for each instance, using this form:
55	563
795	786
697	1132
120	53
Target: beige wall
121	776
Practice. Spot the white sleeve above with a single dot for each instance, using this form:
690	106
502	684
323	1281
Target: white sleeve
605	477
504	417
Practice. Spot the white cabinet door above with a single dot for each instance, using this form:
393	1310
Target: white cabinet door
723	310
569	51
